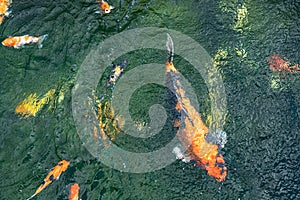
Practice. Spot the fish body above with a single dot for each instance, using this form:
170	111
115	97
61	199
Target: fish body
53	175
4	9
105	7
74	192
193	131
19	41
281	65
116	72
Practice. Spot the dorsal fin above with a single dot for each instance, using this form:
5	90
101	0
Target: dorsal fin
170	47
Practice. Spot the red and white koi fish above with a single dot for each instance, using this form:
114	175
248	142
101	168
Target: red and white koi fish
278	64
4	11
104	6
202	146
74	192
53	175
19	41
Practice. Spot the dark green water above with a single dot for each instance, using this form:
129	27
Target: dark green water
262	125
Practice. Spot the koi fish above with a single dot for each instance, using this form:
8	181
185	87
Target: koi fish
278	64
105	7
74	192
193	133
4	11
52	176
19	41
115	74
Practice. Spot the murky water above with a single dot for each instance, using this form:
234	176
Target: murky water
262	124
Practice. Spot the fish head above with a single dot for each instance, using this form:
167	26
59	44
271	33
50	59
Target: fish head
64	164
106	8
8	42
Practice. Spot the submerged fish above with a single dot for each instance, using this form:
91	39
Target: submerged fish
19	41
278	64
202	145
115	74
53	175
4	11
104	6
74	192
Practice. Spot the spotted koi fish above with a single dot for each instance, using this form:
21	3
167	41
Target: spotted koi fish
19	41
193	133
115	74
74	192
53	175
104	6
4	9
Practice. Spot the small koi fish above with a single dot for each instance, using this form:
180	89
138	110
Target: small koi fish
74	192
53	175
115	74
104	6
19	41
4	11
278	64
193	133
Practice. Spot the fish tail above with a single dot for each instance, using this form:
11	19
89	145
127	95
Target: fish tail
170	47
41	39
32	196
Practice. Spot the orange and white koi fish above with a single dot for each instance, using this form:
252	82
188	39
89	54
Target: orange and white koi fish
202	146
53	175
104	6
19	41
278	64
74	192
4	11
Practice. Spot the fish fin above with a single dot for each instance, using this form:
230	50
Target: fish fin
42	38
8	12
32	196
111	7
170	47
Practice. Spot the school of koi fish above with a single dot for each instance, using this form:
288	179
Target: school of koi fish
202	146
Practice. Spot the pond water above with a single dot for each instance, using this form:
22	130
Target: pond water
262	106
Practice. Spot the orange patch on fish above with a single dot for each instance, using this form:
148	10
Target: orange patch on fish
4	11
74	192
104	6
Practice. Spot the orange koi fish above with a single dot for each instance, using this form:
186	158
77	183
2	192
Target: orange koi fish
278	64
74	192
104	6
4	11
19	41
52	176
203	146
